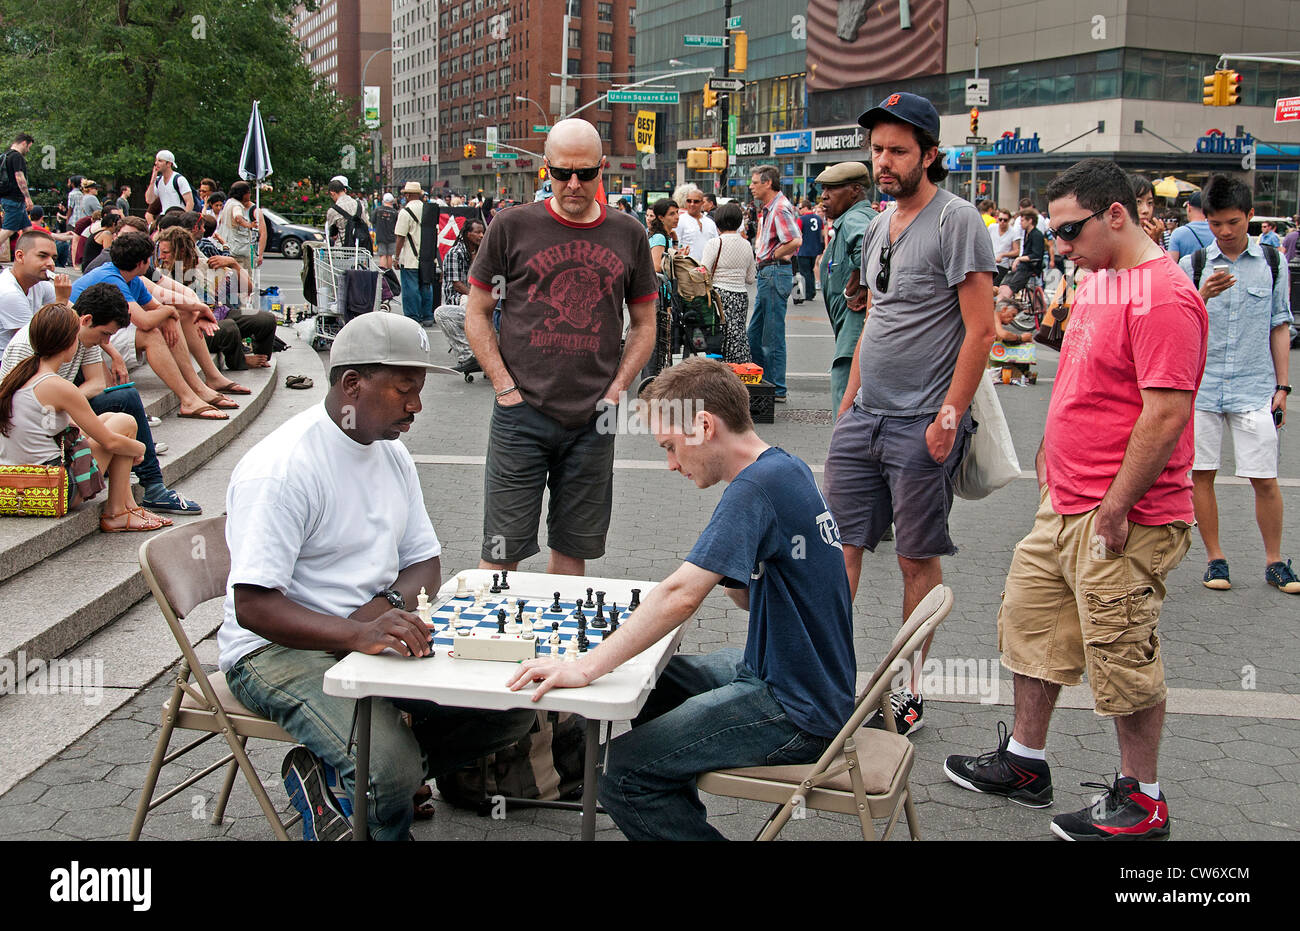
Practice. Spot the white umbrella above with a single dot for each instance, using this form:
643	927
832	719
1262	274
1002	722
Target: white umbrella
255	166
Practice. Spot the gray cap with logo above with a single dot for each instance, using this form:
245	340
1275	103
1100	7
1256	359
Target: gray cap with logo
379	338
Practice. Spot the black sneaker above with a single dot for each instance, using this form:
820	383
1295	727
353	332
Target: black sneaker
1124	812
908	709
1216	575
1281	577
1001	772
308	781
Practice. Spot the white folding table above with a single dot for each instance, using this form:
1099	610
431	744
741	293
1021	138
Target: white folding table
616	696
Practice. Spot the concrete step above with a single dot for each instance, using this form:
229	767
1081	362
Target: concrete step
24	542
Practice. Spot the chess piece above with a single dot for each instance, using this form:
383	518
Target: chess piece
501	620
496	584
589	603
538	623
556	607
505	586
462	589
571	652
600	602
598	621
455	618
636	600
554	638
423	608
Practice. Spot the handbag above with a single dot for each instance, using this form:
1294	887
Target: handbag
33	491
990	461
79	463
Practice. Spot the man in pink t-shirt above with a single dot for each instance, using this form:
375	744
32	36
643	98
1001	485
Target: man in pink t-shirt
1085	587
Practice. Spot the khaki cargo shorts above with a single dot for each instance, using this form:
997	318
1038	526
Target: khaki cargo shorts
1072	605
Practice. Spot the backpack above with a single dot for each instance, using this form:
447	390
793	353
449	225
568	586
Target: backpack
546	764
1198	263
156	207
427	254
355	231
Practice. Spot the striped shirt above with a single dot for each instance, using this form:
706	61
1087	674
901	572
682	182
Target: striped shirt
777	224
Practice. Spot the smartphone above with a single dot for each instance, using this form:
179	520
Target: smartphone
128	384
1277	417
1221	269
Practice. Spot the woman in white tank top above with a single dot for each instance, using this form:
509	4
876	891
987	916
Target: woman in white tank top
35	408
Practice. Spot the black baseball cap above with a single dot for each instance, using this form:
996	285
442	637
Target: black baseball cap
909	108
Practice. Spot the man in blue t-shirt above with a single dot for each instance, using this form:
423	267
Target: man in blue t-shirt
774	547
811	224
1192	236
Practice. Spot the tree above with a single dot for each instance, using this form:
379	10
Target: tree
107	83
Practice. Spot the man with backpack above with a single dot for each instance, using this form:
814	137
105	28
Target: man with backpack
1194	234
1244	285
167	187
15	199
347	223
417	288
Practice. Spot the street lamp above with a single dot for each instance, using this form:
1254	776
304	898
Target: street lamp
974	149
539	107
375	135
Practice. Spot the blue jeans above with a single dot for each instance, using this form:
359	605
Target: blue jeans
767	324
127	401
285	686
15	214
417	299
706	712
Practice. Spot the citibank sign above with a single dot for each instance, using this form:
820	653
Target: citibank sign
1215	142
1012	144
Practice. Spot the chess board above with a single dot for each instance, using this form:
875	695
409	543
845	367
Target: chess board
482	620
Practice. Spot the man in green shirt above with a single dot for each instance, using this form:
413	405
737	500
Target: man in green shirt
844	195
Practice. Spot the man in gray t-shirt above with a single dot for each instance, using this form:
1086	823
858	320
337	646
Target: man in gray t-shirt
927	287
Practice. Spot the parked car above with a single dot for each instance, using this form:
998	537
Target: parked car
287	238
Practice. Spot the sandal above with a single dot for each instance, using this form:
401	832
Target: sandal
298	381
232	388
137	520
200	413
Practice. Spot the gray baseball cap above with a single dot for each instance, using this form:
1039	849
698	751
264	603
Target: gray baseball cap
384	339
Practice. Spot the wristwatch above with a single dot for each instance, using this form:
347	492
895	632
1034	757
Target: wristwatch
1286	388
394	598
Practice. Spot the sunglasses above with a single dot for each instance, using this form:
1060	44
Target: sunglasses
882	278
564	174
697	200
1070	231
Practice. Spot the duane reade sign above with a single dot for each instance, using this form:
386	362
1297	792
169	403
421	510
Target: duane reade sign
751	146
841	139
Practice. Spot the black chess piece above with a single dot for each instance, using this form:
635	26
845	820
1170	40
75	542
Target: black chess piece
519	610
582	640
555	605
598	621
496	584
501	620
589	603
505	586
636	600
613	621
600	602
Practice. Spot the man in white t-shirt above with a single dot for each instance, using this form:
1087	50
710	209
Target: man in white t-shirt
1006	238
319	569
167	187
25	287
694	228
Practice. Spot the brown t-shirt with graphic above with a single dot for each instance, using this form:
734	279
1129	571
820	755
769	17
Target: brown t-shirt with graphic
565	287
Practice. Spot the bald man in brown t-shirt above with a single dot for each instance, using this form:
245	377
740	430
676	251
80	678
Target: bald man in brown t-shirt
563	269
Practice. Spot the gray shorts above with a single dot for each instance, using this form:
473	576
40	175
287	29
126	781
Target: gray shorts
385	248
879	471
529	453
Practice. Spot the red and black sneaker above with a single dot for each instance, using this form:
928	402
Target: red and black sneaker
1001	772
1123	812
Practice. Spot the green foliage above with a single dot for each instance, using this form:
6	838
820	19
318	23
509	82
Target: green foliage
107	83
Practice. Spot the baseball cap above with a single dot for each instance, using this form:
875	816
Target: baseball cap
909	108
388	198
342	178
166	156
1195	200
384	339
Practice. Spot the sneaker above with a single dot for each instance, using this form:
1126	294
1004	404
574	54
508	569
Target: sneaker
1122	813
907	708
309	781
1216	575
155	421
1001	772
1280	576
160	447
174	501
781	399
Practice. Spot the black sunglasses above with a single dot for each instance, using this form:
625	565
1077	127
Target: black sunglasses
882	277
564	174
1070	231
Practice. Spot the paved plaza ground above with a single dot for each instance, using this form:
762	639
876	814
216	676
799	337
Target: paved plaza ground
1230	758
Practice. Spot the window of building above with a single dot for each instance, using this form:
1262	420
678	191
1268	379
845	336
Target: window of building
604	128
603	71
575	38
575	66
575	7
478	83
505	106
631	45
604	41
478	57
604	12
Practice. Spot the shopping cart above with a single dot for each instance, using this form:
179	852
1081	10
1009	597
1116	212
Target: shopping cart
331	265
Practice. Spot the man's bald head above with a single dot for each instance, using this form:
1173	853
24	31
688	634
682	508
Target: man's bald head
574	137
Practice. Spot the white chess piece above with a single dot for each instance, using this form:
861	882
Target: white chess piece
538	623
571	652
423	608
554	641
461	588
455	618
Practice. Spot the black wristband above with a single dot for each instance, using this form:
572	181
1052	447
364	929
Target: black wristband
1286	388
394	598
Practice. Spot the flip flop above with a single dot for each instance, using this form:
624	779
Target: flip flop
298	381
224	403
205	409
233	388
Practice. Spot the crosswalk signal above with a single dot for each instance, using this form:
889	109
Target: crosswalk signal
974	121
1231	88
740	51
710	98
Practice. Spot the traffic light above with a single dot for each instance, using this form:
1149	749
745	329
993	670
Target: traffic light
541	175
697	159
718	159
740	51
1211	96
710	98
974	121
1231	88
